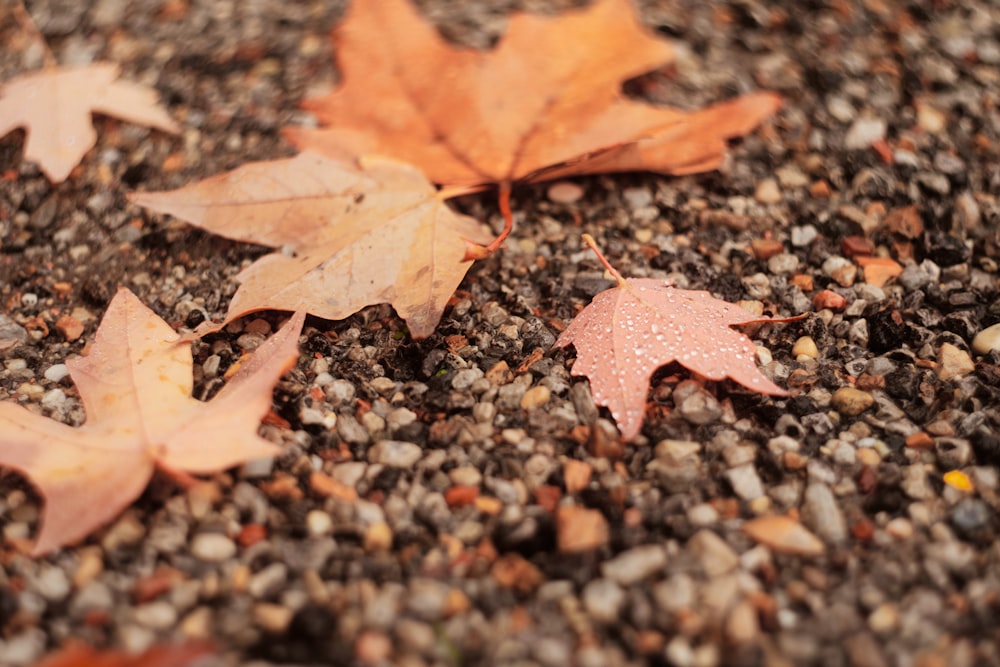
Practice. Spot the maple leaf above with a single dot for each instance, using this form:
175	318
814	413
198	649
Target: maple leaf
135	385
629	331
545	103
54	106
77	654
353	236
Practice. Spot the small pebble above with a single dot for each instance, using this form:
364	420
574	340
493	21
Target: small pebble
395	453
268	581
603	599
576	475
914	482
158	615
564	192
971	515
70	327
742	624
535	397
373	647
784	535
637	198
272	618
426	598
378	537
53	584
635	565
767	191
821	512
987	340
782	263
899	528
23	648
212	547
805	347
840	108
790	176
850	401
865	132
580	529
712	553
830	300
11	330
884	619
803	235
695	404
745	481
953	362
56	372
930	119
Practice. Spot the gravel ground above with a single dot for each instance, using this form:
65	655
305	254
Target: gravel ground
460	500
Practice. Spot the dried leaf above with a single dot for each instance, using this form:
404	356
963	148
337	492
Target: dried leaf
352	237
629	331
545	103
135	385
55	104
77	654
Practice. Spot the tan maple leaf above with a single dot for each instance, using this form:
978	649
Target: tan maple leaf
545	103
351	236
54	106
135	385
629	331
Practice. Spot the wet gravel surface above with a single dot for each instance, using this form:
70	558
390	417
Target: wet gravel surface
460	500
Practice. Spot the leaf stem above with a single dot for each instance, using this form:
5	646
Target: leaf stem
477	251
27	24
589	240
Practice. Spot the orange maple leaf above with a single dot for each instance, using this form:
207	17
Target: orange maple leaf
135	385
77	654
629	331
353	236
55	104
545	103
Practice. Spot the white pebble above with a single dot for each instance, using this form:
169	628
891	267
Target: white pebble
212	547
56	372
987	340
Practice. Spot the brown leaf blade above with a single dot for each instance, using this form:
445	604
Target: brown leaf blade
549	95
353	236
86	482
54	106
135	386
628	332
78	654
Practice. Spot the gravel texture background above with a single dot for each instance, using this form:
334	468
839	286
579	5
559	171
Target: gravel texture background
460	500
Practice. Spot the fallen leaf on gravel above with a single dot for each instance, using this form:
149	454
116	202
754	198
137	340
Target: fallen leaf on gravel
55	104
78	654
629	331
135	385
545	103
351	237
784	535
